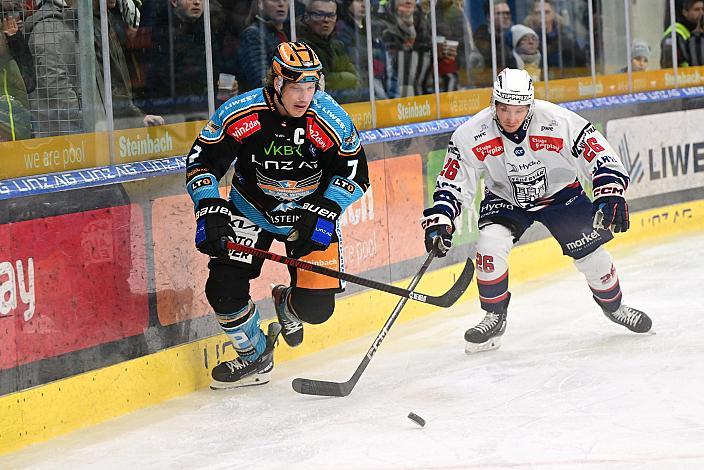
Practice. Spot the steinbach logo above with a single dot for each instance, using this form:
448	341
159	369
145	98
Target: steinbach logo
315	134
493	147
244	127
539	142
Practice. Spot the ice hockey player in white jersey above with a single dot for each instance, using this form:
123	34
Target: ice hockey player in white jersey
530	154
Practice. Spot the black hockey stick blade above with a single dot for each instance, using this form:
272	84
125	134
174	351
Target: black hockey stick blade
321	388
445	300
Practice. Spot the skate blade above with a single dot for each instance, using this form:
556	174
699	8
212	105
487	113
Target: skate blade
493	343
252	380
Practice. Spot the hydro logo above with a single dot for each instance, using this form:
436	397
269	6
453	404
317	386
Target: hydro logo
519	151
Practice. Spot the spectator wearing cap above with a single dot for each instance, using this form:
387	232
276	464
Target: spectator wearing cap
526	50
640	54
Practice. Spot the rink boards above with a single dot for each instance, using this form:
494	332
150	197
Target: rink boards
103	311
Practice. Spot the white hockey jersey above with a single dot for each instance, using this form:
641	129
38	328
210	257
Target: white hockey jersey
557	145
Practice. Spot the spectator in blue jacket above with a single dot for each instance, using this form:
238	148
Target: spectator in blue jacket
268	27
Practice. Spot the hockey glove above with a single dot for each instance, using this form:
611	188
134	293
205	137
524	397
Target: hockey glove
213	218
611	212
315	226
437	225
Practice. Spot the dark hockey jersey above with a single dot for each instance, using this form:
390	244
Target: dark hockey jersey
278	161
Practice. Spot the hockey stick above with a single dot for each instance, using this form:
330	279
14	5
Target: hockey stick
445	300
342	389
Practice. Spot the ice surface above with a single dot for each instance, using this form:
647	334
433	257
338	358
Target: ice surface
567	389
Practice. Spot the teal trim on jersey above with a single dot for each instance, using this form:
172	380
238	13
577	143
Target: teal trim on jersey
214	129
206	191
327	109
341	196
249	211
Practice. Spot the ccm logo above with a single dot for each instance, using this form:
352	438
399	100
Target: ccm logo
608	191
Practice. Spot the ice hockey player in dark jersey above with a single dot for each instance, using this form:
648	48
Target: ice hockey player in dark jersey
530	153
298	164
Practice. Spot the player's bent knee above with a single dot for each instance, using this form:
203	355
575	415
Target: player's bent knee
226	293
495	237
314	308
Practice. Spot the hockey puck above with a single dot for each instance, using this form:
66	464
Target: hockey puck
416	419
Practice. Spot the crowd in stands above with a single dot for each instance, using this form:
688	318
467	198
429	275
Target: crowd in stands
54	81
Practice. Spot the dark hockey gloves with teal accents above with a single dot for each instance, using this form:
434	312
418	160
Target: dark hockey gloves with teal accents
315	226
610	209
437	225
213	217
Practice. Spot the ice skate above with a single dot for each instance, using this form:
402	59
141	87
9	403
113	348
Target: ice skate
292	325
242	373
631	318
487	334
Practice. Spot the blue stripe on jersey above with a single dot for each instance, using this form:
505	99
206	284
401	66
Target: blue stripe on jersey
249	211
198	188
453	207
329	111
339	191
214	129
604	176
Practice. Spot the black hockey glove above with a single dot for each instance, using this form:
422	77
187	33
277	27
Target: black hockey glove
213	218
315	226
437	225
611	212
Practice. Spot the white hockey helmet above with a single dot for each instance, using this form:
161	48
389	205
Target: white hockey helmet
513	86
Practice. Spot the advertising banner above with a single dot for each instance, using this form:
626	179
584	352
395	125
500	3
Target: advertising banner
70	282
662	152
53	154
